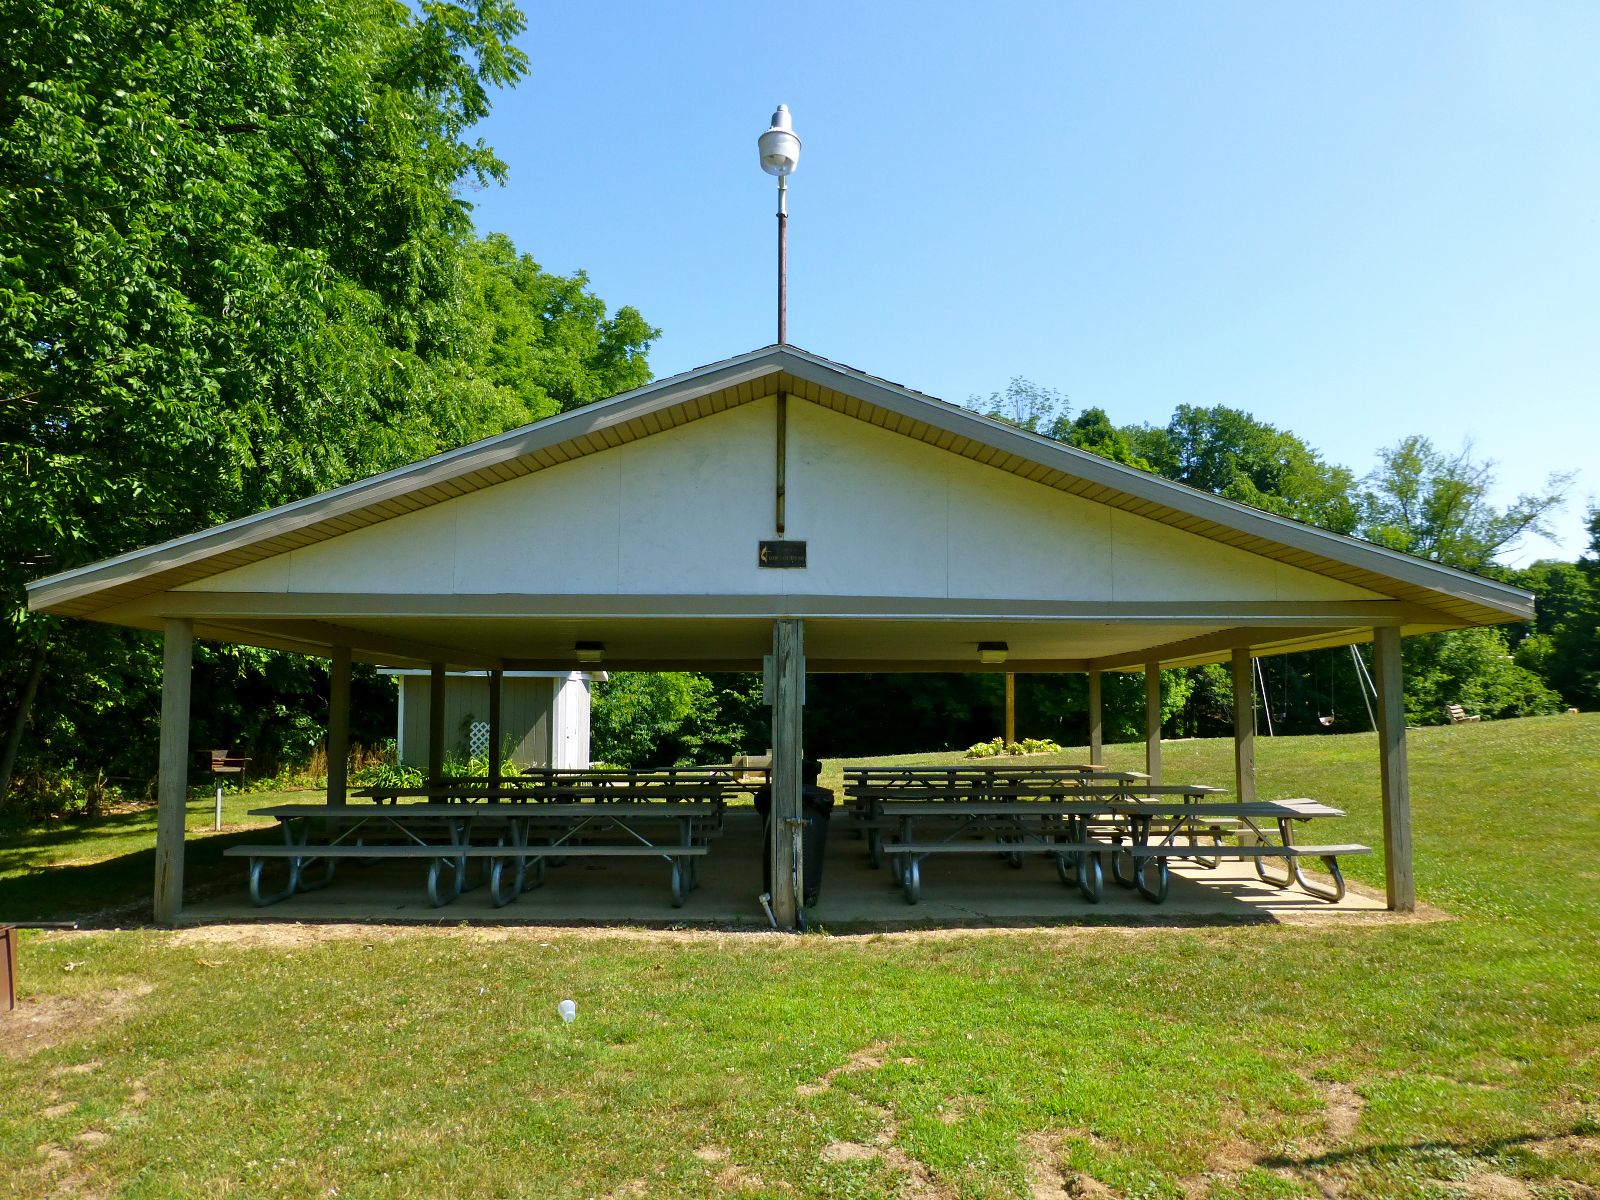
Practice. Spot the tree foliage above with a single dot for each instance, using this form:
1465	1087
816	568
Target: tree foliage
1436	505
237	267
1025	404
673	718
1564	645
1230	453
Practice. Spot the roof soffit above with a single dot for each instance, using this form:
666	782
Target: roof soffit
678	400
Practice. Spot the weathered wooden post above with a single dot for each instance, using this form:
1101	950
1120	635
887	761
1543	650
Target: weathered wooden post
172	789
339	725
1011	708
1152	721
496	734
788	700
436	694
1398	881
1244	726
1096	721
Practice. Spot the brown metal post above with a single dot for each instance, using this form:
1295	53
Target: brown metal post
8	968
783	256
782	464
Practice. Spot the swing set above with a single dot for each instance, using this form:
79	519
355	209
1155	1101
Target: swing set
1369	691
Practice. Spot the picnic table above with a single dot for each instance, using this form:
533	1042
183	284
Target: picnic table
514	840
547	783
870	789
1079	819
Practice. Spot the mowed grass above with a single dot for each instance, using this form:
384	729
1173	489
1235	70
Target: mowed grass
1377	1058
83	868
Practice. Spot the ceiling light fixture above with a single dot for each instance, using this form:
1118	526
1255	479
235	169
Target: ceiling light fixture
992	652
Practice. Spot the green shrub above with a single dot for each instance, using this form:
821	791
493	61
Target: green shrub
1000	746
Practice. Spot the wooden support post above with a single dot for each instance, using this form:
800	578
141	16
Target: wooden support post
1152	721
339	725
789	681
172	793
1097	744
1398	880
436	691
1011	708
1244	726
497	733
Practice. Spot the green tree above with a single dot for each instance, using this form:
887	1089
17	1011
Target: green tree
1563	646
236	268
1092	430
1025	404
671	718
1229	453
1436	505
1475	669
544	342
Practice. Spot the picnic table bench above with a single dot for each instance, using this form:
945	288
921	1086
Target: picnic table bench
543	791
514	841
875	806
1143	834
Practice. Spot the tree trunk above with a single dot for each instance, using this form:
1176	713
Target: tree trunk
19	722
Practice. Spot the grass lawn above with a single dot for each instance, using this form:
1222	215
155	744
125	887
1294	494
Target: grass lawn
102	869
1387	1058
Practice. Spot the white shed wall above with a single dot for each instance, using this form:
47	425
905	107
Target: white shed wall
544	718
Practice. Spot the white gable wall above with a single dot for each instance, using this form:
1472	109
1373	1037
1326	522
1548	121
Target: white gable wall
681	513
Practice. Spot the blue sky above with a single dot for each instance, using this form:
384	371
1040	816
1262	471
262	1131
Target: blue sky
1355	221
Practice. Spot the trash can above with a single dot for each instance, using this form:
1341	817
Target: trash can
816	807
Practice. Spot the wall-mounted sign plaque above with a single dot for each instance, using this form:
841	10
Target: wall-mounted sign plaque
782	554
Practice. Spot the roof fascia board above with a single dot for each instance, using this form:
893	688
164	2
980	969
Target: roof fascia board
353	605
828	666
1199	648
375	489
330	634
244	635
1092	468
691	385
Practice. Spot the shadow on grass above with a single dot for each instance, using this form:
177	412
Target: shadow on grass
114	890
24	838
1390	1153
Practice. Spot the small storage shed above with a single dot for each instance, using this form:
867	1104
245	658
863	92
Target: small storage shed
544	714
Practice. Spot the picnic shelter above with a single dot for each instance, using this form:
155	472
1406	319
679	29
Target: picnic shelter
778	511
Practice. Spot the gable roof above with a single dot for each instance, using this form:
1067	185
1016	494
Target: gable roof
1463	597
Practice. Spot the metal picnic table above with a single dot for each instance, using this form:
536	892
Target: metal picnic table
1141	833
516	840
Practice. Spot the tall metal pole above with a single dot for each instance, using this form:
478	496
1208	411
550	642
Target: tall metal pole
783	257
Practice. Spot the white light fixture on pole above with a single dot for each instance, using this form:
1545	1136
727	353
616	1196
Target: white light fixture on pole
780	155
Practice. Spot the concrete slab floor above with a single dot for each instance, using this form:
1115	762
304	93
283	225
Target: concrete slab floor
957	890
